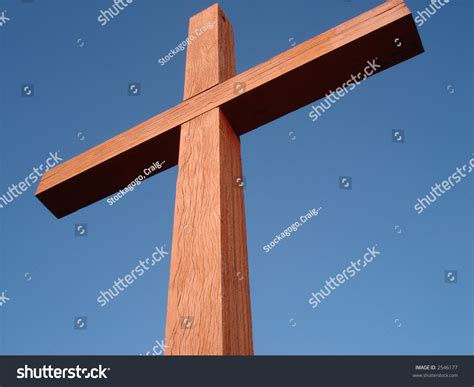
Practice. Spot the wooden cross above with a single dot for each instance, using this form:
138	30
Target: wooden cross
209	298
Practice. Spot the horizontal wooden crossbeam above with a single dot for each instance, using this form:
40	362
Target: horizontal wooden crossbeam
261	94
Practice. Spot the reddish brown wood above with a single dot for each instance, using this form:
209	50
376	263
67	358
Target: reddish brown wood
272	89
209	298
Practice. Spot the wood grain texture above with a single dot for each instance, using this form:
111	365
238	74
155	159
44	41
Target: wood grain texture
218	65
209	280
274	88
208	309
236	308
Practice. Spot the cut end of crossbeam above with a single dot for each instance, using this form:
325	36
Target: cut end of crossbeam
87	185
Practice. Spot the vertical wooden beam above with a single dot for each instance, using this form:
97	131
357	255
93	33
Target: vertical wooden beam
209	296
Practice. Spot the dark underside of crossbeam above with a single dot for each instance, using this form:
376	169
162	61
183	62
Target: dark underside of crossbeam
88	187
388	46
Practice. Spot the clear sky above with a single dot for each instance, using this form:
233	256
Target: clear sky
401	303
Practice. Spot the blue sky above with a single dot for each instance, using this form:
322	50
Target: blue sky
399	304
